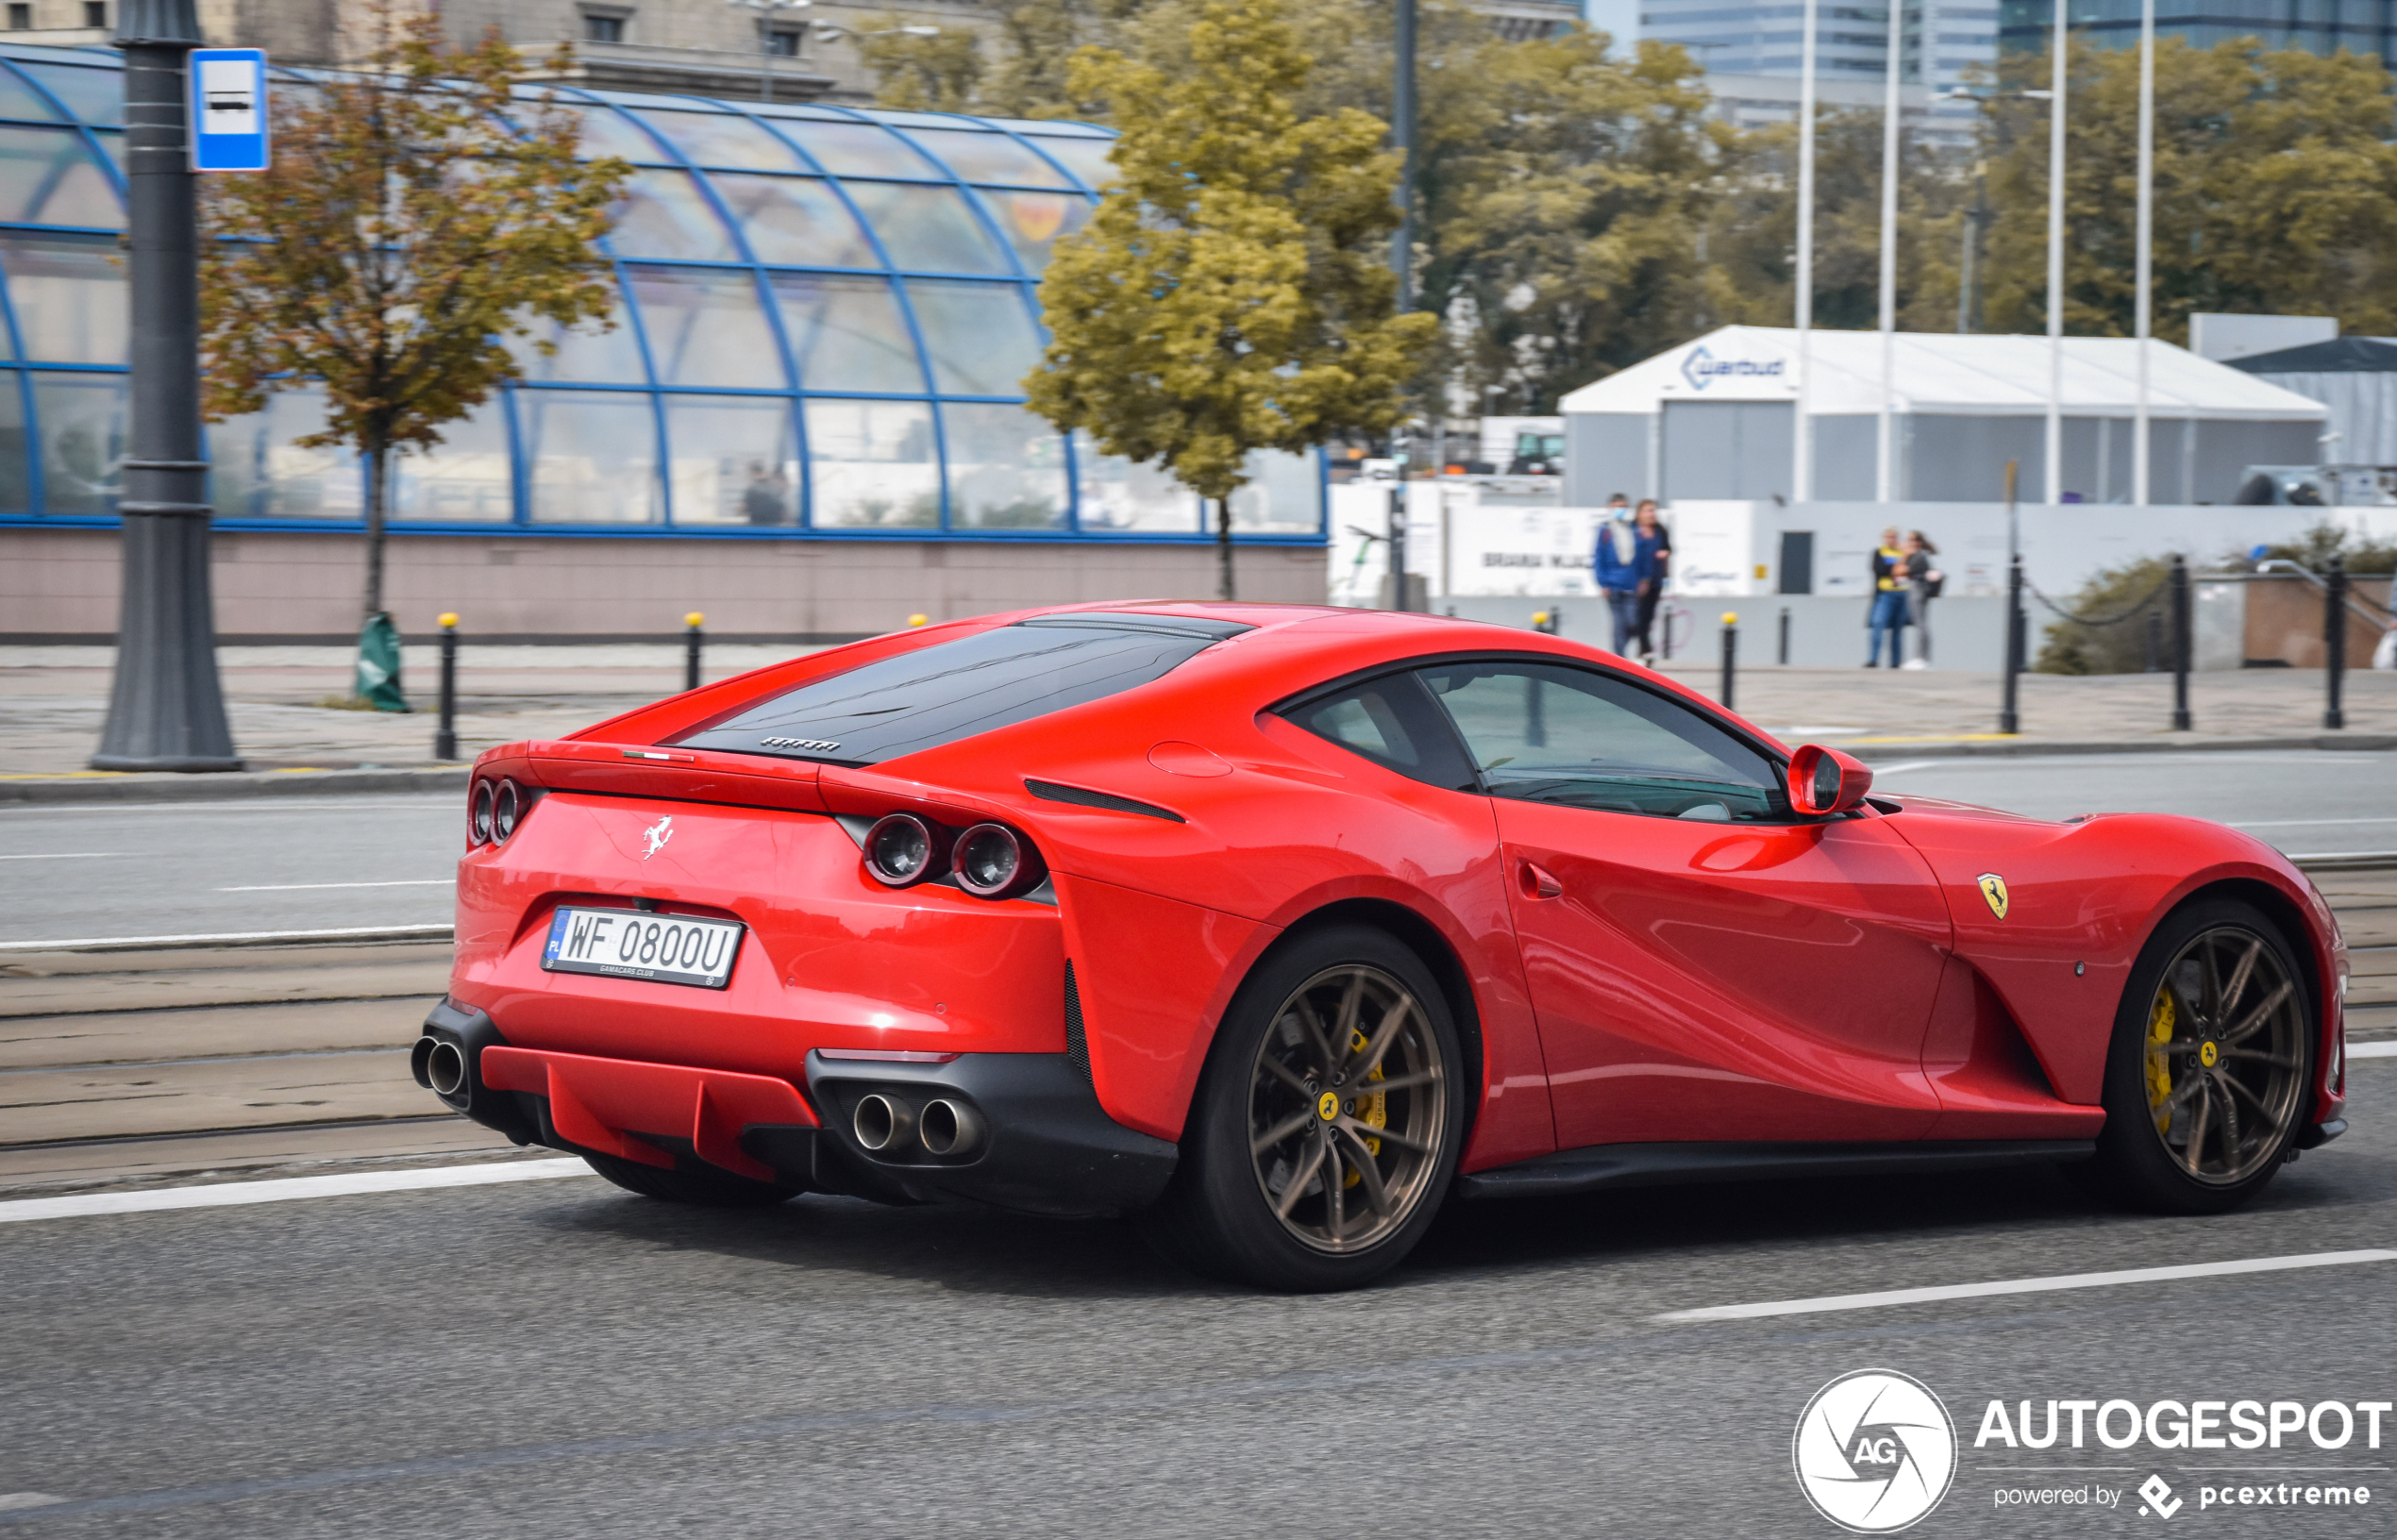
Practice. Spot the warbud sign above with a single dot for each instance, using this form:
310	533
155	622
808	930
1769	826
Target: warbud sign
1875	1452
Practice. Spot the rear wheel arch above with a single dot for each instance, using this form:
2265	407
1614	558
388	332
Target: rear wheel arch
1424	938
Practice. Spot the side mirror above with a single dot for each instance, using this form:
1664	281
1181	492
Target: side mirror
1824	780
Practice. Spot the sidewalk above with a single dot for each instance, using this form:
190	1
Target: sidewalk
53	701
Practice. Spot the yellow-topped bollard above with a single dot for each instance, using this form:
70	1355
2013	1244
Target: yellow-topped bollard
1731	653
915	620
445	736
695	619
692	638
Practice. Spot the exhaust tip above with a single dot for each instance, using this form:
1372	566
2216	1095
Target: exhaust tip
952	1128
881	1122
445	1068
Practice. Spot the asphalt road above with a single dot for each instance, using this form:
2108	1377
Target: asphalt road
187	868
2304	802
559	1358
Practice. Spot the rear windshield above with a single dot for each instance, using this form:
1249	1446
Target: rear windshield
954	689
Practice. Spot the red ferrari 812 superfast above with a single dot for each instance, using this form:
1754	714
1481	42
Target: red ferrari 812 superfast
1279	926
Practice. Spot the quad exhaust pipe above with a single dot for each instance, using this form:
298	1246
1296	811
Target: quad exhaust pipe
950	1127
439	1064
885	1125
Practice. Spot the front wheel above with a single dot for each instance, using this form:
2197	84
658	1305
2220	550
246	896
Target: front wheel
1327	1125
2210	1069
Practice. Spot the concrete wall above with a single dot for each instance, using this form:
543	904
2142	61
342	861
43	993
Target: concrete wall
64	583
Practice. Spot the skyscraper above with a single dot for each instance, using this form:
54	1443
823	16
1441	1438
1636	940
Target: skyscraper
1851	42
2320	27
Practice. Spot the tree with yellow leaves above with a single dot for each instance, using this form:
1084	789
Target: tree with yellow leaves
1229	294
419	216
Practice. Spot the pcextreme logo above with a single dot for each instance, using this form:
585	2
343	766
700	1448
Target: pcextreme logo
1874	1451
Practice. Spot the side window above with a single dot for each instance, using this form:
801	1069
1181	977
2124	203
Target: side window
1546	733
1392	722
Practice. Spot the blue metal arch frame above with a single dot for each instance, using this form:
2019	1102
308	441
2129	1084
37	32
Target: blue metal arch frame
795	391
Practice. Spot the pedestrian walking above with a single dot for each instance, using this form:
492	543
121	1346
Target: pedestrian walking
1651	526
1889	613
1923	582
1625	564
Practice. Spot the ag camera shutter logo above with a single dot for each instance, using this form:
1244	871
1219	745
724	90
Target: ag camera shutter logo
1874	1451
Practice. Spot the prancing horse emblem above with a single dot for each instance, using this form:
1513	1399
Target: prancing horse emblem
1993	889
662	830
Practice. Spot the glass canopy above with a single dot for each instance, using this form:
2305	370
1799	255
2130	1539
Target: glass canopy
824	317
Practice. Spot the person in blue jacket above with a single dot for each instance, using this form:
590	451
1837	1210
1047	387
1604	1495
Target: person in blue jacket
1625	562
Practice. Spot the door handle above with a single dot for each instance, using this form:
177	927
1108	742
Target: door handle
1537	882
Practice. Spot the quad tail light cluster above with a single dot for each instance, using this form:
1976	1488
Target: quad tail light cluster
493	811
989	860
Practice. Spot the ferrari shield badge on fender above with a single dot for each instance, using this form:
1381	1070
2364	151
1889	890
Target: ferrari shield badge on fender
1993	889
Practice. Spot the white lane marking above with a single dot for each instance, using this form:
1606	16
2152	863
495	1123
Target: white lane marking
314	887
2312	823
228	1194
2372	1050
1881	770
72	855
233	938
27	1500
2022	1285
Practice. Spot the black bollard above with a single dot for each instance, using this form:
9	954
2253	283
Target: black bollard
445	737
2183	643
2334	641
1731	653
2009	720
692	637
1784	636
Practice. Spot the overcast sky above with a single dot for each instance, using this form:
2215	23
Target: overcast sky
1618	17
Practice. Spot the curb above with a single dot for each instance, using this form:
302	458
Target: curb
232	787
2030	747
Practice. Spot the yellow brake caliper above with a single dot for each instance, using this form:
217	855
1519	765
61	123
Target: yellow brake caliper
1373	1110
2159	1072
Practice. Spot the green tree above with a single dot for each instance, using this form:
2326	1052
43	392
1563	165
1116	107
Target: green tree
421	220
1751	232
1231	294
2276	188
941	71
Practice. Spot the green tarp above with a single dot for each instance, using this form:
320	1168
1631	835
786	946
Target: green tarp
378	666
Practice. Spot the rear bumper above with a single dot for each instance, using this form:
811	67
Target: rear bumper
1046	1146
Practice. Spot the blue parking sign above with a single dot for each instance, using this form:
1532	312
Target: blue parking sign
228	110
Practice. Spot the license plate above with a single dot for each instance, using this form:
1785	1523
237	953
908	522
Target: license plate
627	943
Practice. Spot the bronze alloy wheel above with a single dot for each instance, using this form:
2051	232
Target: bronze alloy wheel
1347	1109
2225	1054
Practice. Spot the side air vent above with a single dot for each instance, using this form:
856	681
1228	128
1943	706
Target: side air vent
1077	1044
1049	791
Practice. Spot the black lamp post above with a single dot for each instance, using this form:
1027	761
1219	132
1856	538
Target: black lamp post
166	710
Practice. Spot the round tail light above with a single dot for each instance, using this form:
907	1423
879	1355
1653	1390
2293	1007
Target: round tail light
902	849
994	861
506	807
479	814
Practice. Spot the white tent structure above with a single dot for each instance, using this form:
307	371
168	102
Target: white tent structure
1715	419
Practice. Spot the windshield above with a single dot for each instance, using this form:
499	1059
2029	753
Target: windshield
954	690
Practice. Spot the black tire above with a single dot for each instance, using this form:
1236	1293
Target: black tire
2177	1057
703	1189
1394	1149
